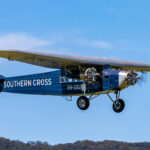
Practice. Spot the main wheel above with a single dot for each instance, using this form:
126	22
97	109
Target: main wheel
83	103
118	106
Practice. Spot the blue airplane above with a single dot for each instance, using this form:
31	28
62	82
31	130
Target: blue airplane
85	77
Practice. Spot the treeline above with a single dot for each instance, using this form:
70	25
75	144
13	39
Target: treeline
6	144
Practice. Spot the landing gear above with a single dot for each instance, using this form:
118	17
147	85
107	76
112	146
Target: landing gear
83	103
118	104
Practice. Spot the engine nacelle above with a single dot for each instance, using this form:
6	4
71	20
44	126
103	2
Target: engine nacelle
90	74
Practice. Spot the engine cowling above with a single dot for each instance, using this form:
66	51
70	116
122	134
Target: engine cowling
127	78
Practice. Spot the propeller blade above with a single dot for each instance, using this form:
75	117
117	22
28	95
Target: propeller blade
141	79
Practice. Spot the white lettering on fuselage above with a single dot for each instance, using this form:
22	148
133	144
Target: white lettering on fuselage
27	83
74	87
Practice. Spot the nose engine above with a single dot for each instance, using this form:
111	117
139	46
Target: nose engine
127	78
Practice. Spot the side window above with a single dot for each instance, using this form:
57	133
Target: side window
64	79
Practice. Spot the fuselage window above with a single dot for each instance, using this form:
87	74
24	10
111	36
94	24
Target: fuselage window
64	79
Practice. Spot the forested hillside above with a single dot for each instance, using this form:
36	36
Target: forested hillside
6	144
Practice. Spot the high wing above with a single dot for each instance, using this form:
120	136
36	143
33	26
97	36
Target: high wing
69	62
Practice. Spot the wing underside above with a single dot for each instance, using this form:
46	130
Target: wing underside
70	62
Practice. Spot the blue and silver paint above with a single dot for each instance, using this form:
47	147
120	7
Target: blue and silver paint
59	83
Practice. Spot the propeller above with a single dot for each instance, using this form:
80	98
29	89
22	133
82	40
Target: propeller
133	78
141	79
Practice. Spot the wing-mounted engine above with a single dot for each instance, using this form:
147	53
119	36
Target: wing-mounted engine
88	74
94	74
91	75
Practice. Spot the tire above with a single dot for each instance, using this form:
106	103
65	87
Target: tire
83	103
118	107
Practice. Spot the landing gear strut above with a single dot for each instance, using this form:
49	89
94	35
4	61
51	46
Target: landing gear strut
118	104
83	102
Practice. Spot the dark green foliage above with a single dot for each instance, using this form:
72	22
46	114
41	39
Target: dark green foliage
6	144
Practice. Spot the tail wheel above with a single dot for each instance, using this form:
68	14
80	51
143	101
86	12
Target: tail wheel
83	103
118	106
